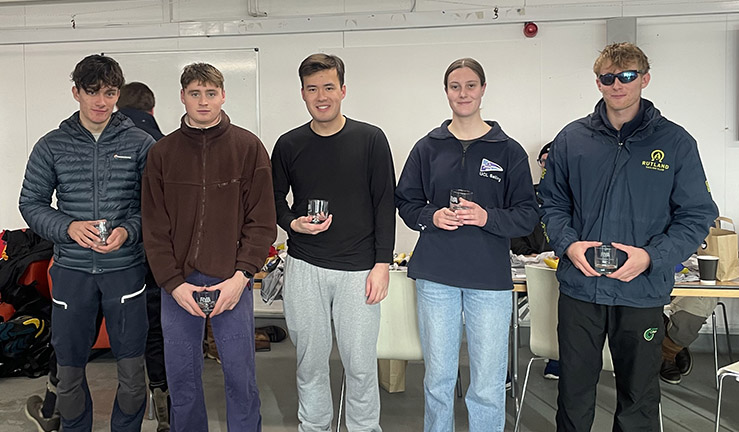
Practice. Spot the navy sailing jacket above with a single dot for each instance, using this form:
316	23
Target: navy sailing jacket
93	180
648	190
496	169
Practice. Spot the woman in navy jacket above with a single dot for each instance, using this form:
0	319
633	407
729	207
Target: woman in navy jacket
461	261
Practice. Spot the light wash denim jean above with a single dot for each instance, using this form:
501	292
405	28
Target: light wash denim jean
487	315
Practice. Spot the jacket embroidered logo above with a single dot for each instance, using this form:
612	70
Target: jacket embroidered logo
656	162
649	334
657	155
488	166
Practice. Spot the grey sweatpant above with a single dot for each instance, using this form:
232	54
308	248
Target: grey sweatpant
313	296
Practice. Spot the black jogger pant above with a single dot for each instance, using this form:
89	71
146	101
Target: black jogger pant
635	338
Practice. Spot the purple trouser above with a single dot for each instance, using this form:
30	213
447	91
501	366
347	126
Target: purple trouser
183	357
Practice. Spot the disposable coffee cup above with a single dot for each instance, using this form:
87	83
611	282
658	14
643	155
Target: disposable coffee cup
707	266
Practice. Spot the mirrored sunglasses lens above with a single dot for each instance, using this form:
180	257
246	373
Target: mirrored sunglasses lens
627	76
607	79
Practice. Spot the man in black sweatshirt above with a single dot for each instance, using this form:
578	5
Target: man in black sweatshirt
338	268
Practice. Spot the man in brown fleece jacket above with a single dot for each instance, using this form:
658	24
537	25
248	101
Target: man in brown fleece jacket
208	221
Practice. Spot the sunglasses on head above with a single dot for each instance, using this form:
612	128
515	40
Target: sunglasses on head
624	77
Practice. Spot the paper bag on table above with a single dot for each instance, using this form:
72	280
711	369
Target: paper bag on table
724	244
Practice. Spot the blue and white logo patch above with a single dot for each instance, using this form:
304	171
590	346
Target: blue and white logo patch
490	166
487	168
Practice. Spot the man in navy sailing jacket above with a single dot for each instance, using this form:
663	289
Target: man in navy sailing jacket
625	176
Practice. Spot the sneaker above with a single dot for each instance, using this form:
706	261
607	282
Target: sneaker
161	409
33	412
552	370
669	372
684	361
508	383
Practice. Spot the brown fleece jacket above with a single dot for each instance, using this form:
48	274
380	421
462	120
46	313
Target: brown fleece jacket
207	203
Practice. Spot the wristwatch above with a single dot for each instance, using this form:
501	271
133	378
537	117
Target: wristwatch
246	274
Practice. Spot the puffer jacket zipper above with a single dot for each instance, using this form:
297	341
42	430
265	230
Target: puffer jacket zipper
95	191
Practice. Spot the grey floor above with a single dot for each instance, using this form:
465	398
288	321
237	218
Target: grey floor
687	407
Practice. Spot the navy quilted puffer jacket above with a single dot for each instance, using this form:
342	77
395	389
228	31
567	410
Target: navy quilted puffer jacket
93	180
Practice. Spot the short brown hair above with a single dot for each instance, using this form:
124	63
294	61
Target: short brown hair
203	73
320	62
136	95
468	63
621	55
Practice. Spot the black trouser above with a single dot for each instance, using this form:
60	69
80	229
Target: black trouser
154	340
77	299
635	338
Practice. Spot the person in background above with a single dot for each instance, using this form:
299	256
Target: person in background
536	243
461	261
94	163
208	224
137	103
594	194
337	269
688	314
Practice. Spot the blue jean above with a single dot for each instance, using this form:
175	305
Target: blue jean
487	315
183	356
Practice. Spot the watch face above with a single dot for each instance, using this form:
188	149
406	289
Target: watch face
206	300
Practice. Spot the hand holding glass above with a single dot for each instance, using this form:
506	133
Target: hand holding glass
317	210
606	259
454	198
105	227
206	300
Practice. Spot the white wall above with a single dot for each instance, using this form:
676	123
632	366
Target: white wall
394	74
13	140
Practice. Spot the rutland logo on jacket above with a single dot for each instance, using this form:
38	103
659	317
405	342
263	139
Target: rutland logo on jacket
656	162
488	168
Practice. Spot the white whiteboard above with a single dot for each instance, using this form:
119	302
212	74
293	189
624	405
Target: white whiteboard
161	71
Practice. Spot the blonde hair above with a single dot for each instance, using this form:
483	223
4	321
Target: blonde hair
621	55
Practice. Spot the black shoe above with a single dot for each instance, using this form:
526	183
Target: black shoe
669	372
33	412
552	370
275	333
684	361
